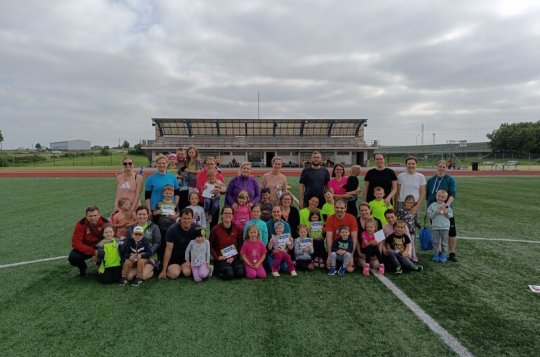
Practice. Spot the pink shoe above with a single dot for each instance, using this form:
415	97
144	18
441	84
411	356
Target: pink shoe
366	269
381	269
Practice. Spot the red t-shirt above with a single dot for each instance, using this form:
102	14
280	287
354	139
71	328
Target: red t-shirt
333	224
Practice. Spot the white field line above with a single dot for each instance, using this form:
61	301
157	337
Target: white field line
501	240
447	338
32	262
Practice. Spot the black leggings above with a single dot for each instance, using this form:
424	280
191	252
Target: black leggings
229	271
77	259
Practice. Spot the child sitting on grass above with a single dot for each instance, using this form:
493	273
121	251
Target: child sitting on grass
303	249
398	248
440	213
279	245
124	218
108	256
136	253
198	254
342	249
253	254
369	253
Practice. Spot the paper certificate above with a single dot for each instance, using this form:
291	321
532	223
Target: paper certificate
535	288
229	252
306	243
283	240
207	193
379	236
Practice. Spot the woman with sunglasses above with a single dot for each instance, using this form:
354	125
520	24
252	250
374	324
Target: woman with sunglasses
129	184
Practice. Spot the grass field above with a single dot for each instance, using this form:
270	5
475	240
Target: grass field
483	300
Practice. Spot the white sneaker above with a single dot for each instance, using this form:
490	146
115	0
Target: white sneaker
293	273
275	273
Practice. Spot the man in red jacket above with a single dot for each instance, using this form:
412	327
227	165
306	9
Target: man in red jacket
86	235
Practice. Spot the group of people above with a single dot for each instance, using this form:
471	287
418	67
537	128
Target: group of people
338	225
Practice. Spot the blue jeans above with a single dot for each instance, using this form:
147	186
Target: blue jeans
211	205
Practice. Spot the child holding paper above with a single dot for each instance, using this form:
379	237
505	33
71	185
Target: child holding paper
303	249
279	245
368	252
210	195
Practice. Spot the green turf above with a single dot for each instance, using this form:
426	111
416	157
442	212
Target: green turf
483	300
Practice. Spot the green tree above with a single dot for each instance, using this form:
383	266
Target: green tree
38	146
1	138
125	145
519	137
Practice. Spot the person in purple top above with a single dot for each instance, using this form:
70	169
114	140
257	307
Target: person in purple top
243	182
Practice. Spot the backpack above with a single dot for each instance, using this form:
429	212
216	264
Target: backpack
425	237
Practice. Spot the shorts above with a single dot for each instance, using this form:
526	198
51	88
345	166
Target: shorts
452	232
177	260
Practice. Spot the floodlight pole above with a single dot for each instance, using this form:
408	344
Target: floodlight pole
258	107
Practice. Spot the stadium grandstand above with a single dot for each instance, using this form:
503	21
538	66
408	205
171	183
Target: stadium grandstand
260	140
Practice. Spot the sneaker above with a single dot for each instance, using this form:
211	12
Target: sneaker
342	270
137	282
435	257
453	257
332	271
275	273
442	258
381	269
419	268
398	270
293	273
414	259
123	282
366	269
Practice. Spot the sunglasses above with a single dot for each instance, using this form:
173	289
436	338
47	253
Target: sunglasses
127	163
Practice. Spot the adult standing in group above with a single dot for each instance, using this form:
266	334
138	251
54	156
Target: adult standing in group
412	183
178	237
338	181
275	181
443	181
244	181
289	213
87	233
380	176
332	228
156	182
153	236
129	184
313	181
225	243
182	177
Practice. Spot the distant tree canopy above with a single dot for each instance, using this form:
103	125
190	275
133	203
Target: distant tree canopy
1	136
519	137
38	146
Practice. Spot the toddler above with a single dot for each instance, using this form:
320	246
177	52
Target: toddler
108	256
261	225
342	249
440	213
136	253
253	254
124	218
378	205
303	248
166	211
199	217
369	249
266	205
399	247
198	254
279	245
211	197
241	209
316	234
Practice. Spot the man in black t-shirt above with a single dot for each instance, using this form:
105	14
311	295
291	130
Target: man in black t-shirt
178	237
380	176
313	181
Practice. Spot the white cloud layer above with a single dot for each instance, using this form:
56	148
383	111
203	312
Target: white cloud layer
99	70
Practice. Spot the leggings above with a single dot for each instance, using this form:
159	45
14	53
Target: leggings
278	257
255	273
199	272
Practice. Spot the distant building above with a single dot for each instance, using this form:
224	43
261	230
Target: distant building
260	140
71	145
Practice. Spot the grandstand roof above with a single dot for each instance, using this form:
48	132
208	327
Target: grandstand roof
259	127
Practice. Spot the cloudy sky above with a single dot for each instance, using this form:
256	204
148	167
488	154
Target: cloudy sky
99	70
